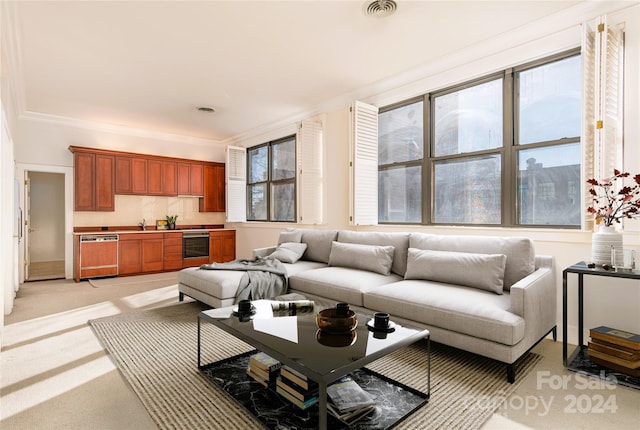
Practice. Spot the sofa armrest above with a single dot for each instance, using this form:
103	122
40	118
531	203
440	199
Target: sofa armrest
263	252
534	297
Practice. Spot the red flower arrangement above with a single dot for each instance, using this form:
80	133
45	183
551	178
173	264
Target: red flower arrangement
609	205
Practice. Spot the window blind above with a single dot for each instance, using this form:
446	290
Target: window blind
236	173
310	168
603	56
363	165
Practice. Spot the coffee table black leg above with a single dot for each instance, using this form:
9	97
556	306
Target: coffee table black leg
322	405
199	342
428	366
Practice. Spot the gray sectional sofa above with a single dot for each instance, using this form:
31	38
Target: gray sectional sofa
488	295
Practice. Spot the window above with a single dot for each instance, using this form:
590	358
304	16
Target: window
271	181
503	150
400	155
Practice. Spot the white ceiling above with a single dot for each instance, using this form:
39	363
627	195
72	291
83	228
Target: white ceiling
149	64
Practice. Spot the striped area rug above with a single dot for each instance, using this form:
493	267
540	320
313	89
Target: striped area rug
156	351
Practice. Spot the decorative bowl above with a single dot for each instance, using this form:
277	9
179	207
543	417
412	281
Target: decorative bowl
329	322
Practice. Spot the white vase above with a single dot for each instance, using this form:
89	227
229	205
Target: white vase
604	244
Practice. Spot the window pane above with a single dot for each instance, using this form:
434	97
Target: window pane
400	134
258	161
400	195
257	210
469	120
283	160
283	202
549	185
550	101
468	191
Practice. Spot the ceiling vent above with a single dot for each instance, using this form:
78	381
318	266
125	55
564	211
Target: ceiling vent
379	8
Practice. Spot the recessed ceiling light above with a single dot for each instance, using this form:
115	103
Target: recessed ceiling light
206	109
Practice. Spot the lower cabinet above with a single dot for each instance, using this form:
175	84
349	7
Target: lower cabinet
172	251
140	253
222	246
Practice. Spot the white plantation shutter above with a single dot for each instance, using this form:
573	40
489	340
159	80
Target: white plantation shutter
363	178
603	55
310	168
236	170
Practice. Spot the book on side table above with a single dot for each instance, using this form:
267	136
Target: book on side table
616	349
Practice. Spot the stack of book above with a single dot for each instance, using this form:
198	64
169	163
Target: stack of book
615	349
297	388
348	402
263	368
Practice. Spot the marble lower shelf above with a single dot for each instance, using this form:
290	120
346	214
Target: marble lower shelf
579	362
394	401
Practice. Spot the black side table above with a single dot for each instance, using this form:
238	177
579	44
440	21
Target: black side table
579	360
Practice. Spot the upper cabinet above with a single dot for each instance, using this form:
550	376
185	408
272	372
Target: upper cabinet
191	179
214	198
100	174
94	182
131	175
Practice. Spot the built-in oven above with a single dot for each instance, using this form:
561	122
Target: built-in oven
195	244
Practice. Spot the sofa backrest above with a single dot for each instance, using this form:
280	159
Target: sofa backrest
400	241
519	250
318	244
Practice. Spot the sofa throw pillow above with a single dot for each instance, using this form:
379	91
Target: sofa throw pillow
377	259
289	236
483	271
289	252
318	244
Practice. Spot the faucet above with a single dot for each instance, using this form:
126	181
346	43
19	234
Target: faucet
143	224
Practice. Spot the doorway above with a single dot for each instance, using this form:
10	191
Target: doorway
45	214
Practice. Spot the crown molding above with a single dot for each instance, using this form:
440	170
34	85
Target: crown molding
104	127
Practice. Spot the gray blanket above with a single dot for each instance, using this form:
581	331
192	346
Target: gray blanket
265	277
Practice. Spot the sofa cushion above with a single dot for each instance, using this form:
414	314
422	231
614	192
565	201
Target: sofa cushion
466	310
373	258
400	241
318	244
222	284
519	250
484	271
290	236
338	283
289	252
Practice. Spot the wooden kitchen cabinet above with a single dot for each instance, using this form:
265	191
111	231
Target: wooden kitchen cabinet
94	182
214	188
140	253
123	175
162	178
131	175
154	177
101	174
129	254
172	248
152	253
190	179
222	246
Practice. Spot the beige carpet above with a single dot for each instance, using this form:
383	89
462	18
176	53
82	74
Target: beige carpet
156	279
156	351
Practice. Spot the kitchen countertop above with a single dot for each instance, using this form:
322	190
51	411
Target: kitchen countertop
131	229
